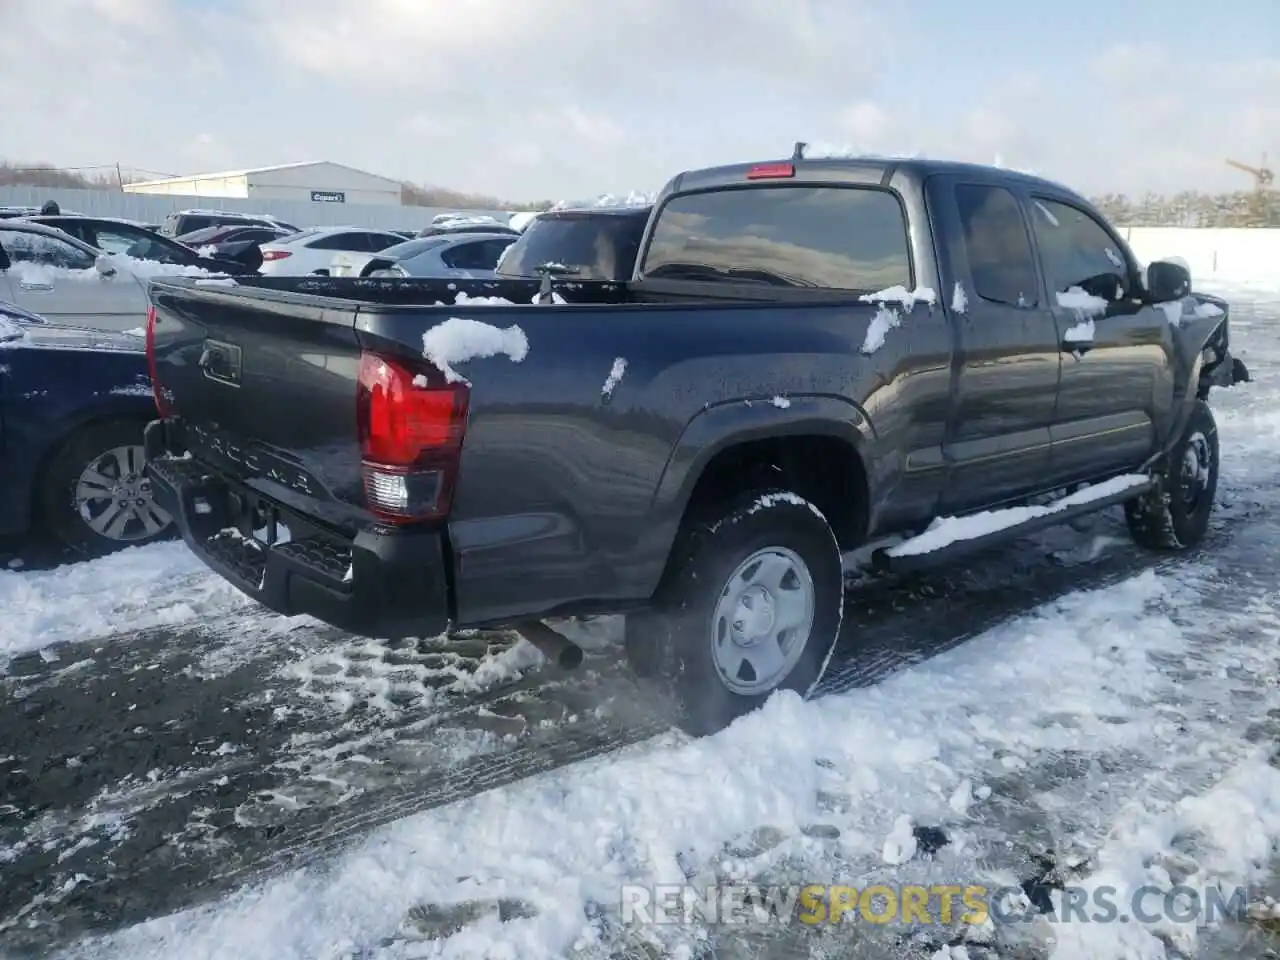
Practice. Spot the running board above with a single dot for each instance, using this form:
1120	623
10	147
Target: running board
952	537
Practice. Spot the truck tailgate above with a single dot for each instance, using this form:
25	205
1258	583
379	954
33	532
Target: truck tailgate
265	391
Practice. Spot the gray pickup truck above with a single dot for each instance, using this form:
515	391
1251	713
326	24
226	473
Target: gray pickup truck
814	359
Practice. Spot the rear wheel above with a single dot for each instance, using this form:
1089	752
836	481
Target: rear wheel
94	497
752	605
1175	515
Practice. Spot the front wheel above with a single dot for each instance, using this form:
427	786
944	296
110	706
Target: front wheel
1175	515
752	605
94	496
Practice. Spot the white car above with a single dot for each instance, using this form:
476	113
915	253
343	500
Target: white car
53	275
311	251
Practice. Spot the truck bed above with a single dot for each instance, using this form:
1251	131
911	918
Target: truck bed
577	459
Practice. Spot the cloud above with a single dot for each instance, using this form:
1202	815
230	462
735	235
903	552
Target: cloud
1132	118
530	99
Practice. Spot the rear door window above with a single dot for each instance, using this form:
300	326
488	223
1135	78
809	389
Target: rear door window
843	238
997	245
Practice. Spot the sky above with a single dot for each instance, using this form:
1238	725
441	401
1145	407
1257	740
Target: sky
555	99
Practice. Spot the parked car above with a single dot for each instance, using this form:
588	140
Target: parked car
231	233
311	251
466	225
140	243
815	360
56	276
460	255
73	404
242	244
8	213
593	243
185	221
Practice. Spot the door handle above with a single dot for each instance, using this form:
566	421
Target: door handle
36	287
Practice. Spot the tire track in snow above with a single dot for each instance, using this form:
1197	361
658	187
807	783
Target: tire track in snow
189	855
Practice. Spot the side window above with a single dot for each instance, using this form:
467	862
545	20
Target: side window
25	247
1077	251
996	245
466	256
114	242
339	241
839	238
493	251
377	242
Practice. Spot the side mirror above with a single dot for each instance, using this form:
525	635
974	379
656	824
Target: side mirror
1167	281
105	266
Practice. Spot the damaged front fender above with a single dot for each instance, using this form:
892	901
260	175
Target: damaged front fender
1202	356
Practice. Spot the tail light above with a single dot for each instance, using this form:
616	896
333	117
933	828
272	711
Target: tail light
411	427
269	255
162	405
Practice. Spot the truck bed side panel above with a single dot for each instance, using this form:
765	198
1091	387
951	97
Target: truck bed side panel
567	491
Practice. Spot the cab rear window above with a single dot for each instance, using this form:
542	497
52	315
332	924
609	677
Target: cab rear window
844	238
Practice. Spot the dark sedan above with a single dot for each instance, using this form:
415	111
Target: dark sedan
73	403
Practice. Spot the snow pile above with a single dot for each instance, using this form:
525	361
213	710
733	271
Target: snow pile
40	273
460	339
464	300
959	302
782	403
11	332
1234	826
1080	333
901	295
1086	304
945	531
884	321
518	222
148	269
831	151
134	589
634	198
886	317
897	751
616	373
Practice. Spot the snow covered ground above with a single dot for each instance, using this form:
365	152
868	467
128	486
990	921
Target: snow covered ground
201	780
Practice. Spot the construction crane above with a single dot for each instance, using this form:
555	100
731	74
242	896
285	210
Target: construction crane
1260	202
1263	176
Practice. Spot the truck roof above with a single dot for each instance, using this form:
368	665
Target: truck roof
856	170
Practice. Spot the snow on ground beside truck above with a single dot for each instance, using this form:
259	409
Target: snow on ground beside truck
1114	728
1078	728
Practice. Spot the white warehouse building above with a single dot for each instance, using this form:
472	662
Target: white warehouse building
317	181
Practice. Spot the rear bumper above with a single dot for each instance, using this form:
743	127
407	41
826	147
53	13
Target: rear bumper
381	583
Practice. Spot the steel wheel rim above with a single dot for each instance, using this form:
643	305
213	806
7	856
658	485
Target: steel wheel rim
1197	462
114	498
762	621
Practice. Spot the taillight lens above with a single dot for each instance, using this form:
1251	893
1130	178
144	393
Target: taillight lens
269	255
411	429
162	405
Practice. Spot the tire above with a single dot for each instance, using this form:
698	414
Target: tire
1175	515
771	544
97	460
